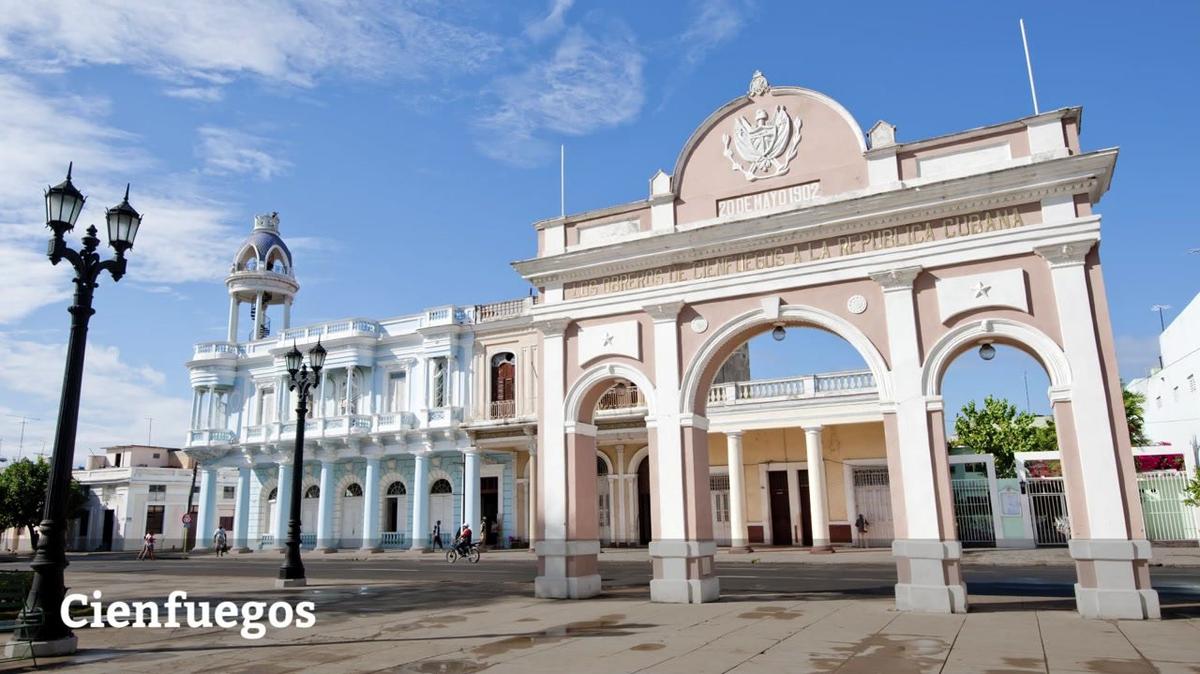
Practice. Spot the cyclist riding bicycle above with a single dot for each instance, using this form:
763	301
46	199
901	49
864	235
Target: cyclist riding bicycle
463	543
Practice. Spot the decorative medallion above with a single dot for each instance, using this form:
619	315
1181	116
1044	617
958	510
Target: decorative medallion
765	147
699	324
758	84
856	304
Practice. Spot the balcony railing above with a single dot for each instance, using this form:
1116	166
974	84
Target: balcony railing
792	388
620	398
502	409
217	350
499	311
212	436
394	539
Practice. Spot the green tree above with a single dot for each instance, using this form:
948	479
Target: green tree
999	429
1134	418
1192	490
23	496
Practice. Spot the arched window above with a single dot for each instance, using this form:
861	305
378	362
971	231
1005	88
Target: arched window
503	377
353	490
313	491
441	487
273	494
601	466
396	489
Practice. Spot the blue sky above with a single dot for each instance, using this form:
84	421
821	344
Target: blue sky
408	147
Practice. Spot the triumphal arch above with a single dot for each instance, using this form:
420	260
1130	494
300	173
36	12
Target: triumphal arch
780	211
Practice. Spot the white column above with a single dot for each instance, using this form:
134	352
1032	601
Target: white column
420	501
668	487
818	511
206	513
325	542
930	579
531	510
349	389
234	310
370	528
319	404
618	498
287	313
195	409
737	489
283	493
258	316
471	508
241	512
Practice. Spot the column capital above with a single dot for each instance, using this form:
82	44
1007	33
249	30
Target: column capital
734	434
1066	254
900	278
816	428
664	311
470	451
552	327
693	421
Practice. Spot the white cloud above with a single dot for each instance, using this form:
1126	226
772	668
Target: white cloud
589	83
294	42
205	94
184	237
552	23
227	151
117	396
717	21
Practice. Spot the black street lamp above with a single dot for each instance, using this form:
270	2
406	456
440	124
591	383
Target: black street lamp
63	205
302	381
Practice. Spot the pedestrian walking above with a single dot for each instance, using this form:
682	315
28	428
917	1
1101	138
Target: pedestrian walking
437	534
862	525
485	531
147	546
219	540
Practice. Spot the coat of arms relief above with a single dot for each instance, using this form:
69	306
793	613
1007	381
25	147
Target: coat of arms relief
767	145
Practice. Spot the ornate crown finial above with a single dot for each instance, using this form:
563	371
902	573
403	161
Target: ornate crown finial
758	84
267	221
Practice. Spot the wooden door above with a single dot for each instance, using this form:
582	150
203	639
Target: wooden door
781	508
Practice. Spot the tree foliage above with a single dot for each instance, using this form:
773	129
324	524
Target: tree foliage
1134	417
23	496
997	428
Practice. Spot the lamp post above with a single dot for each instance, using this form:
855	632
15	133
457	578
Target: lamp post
63	205
302	378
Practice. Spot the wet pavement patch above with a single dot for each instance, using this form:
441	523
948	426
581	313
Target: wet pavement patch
648	647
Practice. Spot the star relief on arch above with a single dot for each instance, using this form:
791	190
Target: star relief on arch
766	146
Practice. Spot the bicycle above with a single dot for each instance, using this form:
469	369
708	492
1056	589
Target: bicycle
472	555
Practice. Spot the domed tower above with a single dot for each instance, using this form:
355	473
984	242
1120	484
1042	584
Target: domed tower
261	275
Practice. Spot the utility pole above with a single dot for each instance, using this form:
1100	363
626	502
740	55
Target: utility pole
1162	327
21	440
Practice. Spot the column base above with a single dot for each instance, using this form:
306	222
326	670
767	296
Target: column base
930	581
41	649
820	549
683	572
282	583
243	550
371	549
567	570
740	549
1114	579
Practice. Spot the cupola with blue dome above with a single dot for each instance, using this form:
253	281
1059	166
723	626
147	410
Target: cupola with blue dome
262	275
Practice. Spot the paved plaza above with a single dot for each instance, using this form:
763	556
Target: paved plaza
780	612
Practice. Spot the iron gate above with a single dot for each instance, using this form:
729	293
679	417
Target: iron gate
1166	516
873	500
973	512
1048	508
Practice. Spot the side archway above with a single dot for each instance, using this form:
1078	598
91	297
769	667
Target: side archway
581	398
702	368
1002	331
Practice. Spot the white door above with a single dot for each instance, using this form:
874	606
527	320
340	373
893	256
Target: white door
268	527
604	509
308	514
873	500
352	516
718	487
441	507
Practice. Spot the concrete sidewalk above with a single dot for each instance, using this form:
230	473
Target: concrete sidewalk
409	624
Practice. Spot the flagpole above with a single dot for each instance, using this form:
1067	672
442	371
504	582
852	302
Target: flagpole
562	181
1029	68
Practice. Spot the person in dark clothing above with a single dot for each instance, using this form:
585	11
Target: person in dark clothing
437	534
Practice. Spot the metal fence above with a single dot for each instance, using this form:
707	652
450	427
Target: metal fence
1048	509
1166	516
973	512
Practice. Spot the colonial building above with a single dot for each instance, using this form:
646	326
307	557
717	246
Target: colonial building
619	404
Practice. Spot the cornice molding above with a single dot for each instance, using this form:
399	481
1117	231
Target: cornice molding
854	214
1068	254
900	278
664	311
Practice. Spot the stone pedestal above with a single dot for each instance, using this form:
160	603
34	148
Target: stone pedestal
1114	579
683	572
929	576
